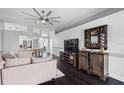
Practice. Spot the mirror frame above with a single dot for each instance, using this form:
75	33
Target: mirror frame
100	32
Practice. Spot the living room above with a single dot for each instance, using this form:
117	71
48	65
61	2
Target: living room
24	37
61	43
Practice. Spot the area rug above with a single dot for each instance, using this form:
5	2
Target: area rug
59	74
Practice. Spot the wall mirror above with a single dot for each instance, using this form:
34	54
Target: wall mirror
96	37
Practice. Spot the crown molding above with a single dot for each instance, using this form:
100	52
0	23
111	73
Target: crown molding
94	17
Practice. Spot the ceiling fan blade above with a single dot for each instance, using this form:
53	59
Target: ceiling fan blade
48	13
37	12
34	22
43	13
30	18
29	15
50	23
55	21
54	17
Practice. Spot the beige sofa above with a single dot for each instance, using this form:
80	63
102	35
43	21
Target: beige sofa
29	74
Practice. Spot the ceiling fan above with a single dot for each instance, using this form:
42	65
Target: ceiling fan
42	17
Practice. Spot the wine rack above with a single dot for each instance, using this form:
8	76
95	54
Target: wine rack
96	38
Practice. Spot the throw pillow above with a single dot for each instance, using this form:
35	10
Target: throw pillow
17	62
8	55
2	64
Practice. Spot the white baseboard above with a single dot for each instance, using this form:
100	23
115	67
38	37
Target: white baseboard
117	77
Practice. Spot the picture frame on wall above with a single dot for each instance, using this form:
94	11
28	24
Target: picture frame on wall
29	43
24	44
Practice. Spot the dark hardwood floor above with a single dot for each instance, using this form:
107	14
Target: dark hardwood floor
73	76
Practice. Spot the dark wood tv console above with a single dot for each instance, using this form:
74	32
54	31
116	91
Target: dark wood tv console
93	62
71	58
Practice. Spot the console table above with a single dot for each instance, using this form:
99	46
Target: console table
95	63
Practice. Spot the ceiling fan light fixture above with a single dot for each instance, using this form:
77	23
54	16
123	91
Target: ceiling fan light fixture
43	21
42	17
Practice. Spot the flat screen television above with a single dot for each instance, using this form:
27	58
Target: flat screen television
71	45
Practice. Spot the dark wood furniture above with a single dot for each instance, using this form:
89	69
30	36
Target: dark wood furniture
71	58
75	77
84	60
99	64
95	63
96	38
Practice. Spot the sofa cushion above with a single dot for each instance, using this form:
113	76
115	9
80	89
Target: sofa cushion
2	64
8	55
17	62
37	60
1	58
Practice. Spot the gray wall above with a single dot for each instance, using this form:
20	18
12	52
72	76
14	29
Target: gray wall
0	40
1	35
11	40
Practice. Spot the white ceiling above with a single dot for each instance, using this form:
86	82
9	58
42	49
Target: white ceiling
68	15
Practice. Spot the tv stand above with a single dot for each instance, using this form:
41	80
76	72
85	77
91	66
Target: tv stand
69	57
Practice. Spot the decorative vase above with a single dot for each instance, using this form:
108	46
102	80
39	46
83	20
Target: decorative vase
102	49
